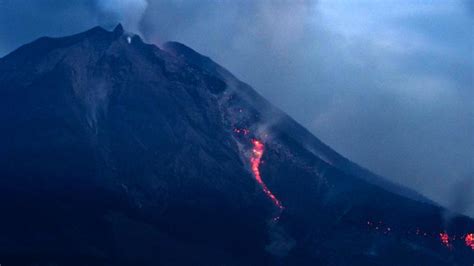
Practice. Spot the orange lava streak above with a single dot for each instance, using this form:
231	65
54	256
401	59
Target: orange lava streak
255	160
470	240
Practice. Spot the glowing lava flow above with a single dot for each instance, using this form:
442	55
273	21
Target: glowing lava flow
255	160
470	240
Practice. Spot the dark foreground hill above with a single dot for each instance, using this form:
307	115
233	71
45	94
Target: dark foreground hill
117	152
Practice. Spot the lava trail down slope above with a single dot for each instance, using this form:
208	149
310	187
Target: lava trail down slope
118	152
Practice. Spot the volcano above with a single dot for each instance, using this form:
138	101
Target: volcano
118	152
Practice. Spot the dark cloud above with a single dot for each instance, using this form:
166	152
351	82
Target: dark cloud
389	85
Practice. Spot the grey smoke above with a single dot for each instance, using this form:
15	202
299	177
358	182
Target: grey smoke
280	243
385	83
128	12
463	196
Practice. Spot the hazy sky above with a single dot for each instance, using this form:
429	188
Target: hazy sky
388	84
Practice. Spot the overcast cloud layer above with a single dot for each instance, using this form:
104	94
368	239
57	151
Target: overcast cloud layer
388	84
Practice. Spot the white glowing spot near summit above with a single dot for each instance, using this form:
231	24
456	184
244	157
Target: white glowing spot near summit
129	39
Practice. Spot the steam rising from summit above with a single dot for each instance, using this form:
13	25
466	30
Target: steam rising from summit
128	12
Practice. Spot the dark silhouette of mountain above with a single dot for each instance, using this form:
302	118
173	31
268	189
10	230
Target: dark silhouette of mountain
117	152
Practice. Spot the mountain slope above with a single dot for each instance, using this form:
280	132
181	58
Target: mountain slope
118	152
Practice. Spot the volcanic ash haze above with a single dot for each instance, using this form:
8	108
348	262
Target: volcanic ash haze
117	152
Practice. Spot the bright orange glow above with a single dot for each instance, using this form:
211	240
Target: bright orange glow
255	160
445	239
470	240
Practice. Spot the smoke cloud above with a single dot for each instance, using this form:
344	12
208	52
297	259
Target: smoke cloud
463	198
128	12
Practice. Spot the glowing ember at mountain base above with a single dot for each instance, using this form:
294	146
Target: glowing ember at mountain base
470	240
255	161
448	240
445	239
